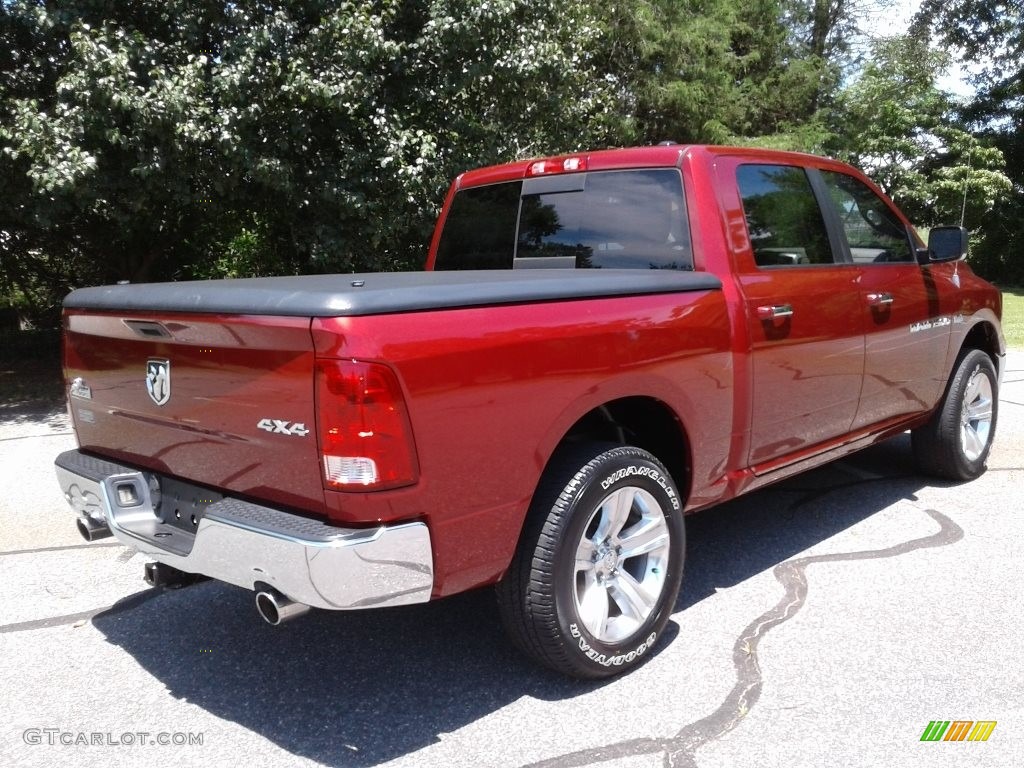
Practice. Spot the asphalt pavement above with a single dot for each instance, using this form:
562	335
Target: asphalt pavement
823	621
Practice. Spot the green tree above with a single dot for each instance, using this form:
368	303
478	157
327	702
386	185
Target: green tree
894	122
764	71
821	34
704	71
989	35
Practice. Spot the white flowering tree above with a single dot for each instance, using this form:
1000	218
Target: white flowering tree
151	140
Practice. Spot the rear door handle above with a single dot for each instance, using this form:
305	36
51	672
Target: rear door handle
879	299
774	311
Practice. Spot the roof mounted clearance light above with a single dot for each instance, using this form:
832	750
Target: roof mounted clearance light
572	164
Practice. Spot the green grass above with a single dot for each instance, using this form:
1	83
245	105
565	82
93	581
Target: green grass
1013	317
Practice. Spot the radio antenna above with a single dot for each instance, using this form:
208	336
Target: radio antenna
963	207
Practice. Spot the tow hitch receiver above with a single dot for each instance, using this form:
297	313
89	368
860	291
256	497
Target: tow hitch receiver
163	575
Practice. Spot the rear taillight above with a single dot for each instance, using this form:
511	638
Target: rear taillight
365	437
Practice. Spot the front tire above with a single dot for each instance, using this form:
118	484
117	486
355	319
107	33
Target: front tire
955	443
599	566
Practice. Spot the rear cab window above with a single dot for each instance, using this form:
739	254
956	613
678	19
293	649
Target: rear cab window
623	219
480	230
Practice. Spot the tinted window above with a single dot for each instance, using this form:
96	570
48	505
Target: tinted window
784	221
873	231
480	230
620	219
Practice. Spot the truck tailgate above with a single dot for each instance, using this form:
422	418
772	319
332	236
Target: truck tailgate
228	402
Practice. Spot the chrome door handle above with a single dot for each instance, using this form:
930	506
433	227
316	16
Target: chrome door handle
879	299
775	311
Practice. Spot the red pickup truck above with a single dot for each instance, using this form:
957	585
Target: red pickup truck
601	343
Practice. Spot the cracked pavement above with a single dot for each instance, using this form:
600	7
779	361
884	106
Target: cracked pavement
825	620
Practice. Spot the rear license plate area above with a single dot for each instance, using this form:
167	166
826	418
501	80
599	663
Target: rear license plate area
179	504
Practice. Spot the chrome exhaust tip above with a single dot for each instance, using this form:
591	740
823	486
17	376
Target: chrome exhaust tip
276	609
91	530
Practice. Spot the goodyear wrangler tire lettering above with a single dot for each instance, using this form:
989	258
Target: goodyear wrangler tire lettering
599	566
617	661
654	474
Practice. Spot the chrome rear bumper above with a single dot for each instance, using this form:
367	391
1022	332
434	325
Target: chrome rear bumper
249	545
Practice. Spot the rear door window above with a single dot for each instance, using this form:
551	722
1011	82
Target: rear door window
784	222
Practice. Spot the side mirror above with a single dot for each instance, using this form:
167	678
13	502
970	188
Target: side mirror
944	244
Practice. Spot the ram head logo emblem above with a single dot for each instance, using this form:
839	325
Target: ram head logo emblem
158	380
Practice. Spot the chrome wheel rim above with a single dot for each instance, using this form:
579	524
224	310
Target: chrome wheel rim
976	416
621	564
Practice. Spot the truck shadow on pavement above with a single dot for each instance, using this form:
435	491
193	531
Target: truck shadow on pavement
362	688
730	543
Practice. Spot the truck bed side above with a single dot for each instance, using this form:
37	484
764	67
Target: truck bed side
491	392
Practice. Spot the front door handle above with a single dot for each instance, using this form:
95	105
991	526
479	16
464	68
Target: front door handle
775	311
879	299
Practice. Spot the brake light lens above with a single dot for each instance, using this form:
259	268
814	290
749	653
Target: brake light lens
365	435
557	165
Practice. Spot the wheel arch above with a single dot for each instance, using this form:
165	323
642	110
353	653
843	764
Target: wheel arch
643	421
984	335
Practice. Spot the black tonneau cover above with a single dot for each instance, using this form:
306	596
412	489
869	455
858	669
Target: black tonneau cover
381	293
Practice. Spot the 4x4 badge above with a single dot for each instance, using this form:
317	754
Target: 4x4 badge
278	427
158	379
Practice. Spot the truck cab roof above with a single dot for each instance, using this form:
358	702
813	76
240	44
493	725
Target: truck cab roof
659	156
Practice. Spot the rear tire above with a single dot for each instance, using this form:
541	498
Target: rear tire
599	565
955	443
